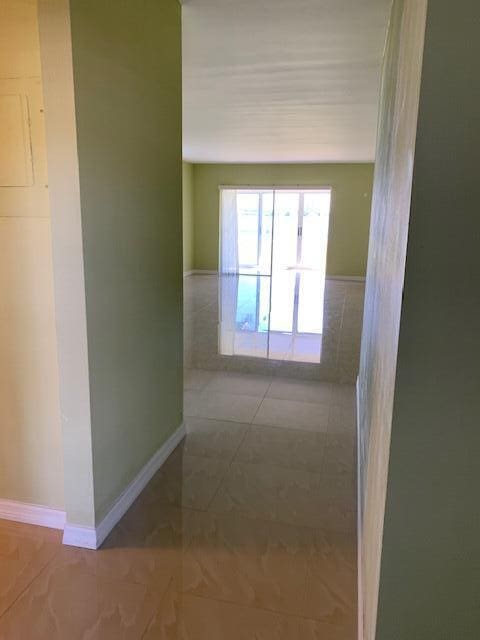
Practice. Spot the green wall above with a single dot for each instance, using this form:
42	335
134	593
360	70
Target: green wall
188	230
350	214
430	574
127	76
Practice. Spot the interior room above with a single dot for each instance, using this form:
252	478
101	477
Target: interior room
276	217
238	323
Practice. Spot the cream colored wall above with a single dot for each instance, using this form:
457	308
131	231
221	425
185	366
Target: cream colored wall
384	287
69	281
31	461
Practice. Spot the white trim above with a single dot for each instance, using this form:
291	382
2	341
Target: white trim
32	514
274	187
347	278
204	272
92	538
359	522
84	537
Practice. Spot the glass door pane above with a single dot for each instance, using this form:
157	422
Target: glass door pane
266	228
254	223
314	222
248	216
285	241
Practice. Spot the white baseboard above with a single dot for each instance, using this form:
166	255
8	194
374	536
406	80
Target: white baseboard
207	272
92	538
347	278
32	514
204	272
359	522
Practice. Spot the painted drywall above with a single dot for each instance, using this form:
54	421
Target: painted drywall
188	222
282	81
350	213
430	578
127	79
31	461
67	245
384	285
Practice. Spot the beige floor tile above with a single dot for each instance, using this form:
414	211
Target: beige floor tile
186	617
315	630
24	552
301	390
188	481
292	448
344	394
254	563
283	495
221	406
342	419
213	438
339	455
293	415
331	595
196	379
239	383
144	548
66	602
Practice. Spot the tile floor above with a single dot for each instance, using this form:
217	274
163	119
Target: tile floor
248	532
258	323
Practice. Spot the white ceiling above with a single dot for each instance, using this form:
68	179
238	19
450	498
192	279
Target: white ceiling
282	80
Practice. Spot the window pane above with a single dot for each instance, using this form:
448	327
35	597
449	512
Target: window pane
247	208
315	229
285	230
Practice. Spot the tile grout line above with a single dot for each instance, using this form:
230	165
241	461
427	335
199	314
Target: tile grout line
12	604
261	402
231	460
296	616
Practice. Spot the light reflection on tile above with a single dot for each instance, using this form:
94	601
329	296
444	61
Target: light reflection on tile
239	327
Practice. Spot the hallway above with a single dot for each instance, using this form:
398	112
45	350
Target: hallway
247	531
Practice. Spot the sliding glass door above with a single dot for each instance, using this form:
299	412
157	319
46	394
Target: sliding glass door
274	241
267	230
